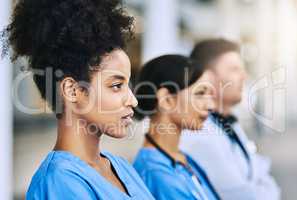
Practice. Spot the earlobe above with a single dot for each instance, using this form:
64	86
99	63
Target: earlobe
69	90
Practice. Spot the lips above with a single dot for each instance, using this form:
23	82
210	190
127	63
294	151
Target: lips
127	119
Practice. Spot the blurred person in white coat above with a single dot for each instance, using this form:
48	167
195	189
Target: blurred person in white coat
234	167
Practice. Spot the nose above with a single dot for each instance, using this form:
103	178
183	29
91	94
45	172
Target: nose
131	99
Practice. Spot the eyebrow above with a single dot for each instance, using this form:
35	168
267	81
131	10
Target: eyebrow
117	77
201	88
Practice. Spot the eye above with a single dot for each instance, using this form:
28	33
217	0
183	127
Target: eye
117	86
200	93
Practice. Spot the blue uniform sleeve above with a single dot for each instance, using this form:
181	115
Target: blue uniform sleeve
60	184
164	186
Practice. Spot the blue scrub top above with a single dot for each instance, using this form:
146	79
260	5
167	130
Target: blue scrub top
65	176
168	181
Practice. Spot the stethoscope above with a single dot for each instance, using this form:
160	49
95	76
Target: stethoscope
195	179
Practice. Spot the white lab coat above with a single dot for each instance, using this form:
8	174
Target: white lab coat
231	174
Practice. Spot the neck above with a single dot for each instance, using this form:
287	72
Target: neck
165	133
74	138
223	108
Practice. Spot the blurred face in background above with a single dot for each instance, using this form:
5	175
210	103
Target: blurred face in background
229	75
191	105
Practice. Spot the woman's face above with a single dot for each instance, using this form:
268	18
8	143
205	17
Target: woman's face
109	101
193	103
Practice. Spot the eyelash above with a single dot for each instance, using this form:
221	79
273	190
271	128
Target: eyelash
200	93
117	86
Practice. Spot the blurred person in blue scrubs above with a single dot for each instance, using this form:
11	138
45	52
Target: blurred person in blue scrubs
171	92
75	52
222	146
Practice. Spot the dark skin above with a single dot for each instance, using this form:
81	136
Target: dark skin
110	82
78	146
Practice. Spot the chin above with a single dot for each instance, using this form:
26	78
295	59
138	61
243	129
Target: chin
118	134
237	100
199	127
196	126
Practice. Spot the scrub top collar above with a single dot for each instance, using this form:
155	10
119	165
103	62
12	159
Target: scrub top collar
160	149
173	161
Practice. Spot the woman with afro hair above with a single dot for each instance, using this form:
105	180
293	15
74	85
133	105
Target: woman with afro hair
81	42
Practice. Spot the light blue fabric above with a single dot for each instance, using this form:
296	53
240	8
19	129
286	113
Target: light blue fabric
227	167
168	181
63	176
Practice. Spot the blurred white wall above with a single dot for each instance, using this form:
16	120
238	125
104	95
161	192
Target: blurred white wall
161	29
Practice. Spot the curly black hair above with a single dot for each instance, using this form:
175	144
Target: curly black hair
66	35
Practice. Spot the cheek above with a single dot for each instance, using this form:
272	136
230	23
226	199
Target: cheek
199	108
228	79
191	121
186	113
183	108
236	85
235	79
189	110
105	108
189	106
110	101
196	104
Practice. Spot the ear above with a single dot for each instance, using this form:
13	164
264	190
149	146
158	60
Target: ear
69	89
166	101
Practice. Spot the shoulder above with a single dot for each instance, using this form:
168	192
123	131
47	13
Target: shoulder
57	175
152	165
51	165
165	184
150	159
161	176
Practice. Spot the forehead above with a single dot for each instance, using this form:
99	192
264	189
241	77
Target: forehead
230	59
205	79
207	76
115	63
